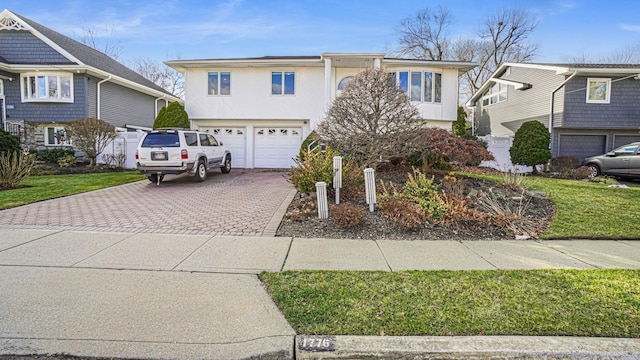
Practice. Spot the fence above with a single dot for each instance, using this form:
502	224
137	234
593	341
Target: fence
122	151
18	130
499	147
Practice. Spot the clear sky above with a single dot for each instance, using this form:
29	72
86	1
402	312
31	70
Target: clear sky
193	29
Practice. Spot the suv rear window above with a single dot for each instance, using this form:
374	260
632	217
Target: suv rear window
165	139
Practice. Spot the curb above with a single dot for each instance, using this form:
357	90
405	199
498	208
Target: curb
464	347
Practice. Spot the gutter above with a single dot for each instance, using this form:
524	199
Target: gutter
553	93
98	91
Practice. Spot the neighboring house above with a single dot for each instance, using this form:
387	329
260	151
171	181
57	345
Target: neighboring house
263	108
593	108
48	80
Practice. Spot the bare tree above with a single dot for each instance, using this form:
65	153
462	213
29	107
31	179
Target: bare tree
425	36
91	136
90	37
362	120
160	74
501	38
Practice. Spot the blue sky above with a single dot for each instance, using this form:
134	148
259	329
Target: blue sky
190	29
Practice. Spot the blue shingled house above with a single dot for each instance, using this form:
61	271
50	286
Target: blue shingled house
48	79
589	109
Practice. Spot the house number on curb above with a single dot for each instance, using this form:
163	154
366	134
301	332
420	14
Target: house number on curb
317	343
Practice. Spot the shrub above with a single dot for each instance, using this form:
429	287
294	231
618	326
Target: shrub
311	168
14	166
352	181
531	145
603	179
434	147
52	155
346	215
580	173
8	143
91	136
562	164
424	192
403	212
67	161
172	116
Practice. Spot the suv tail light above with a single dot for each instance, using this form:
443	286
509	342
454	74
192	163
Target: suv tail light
184	154
137	157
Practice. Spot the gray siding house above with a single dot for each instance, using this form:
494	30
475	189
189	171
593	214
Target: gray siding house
592	108
48	79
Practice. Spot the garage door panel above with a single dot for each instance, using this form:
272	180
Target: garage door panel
582	146
621	140
234	139
276	147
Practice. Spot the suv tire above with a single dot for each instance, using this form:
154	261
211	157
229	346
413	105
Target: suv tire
201	171
226	165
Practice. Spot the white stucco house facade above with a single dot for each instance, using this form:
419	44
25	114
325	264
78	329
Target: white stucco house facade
263	108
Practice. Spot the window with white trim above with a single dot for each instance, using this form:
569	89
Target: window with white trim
496	94
56	135
47	87
598	90
283	83
219	83
420	86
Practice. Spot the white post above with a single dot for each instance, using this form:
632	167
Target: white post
370	188
337	176
323	206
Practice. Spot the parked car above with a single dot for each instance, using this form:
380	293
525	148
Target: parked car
623	162
163	152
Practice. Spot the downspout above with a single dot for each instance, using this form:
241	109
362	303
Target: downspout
553	93
98	99
156	103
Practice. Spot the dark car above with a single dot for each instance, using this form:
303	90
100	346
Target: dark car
623	162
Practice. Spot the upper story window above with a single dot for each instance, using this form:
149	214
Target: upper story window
47	87
420	86
219	83
344	82
283	83
497	93
598	90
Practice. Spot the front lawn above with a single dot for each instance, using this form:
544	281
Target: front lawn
591	211
587	210
44	187
498	302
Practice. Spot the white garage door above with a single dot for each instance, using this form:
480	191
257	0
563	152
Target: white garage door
276	147
234	139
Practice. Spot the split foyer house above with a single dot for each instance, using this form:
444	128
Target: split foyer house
48	79
263	108
589	109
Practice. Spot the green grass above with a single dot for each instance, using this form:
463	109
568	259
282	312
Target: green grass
586	210
532	302
44	187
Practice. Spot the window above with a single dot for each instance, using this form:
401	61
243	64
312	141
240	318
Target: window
343	83
219	83
212	140
421	87
497	93
598	90
191	139
1	88
56	136
47	87
283	83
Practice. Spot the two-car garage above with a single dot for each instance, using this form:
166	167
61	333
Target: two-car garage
260	146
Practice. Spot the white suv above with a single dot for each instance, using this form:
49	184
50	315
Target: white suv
163	152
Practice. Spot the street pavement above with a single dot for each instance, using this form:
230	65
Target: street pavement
101	289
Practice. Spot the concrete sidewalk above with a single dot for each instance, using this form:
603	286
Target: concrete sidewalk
161	296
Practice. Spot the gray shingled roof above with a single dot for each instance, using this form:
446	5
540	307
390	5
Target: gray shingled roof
590	66
92	57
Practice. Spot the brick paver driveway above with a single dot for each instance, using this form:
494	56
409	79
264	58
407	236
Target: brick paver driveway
244	202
